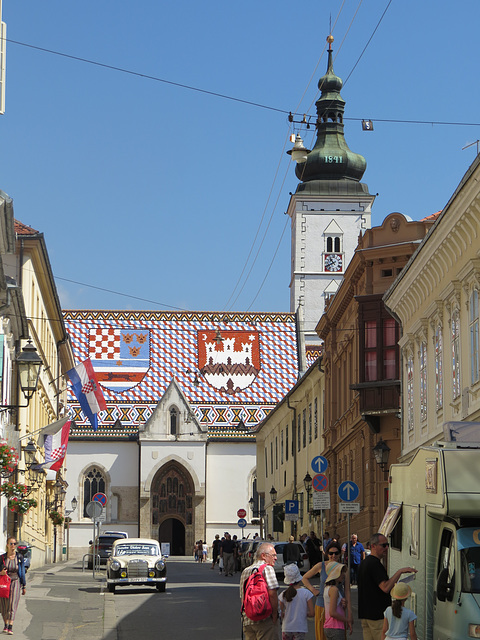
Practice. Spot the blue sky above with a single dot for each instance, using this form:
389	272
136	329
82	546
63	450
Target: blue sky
159	192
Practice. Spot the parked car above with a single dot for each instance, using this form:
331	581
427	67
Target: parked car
279	564
248	556
119	534
103	548
242	549
136	561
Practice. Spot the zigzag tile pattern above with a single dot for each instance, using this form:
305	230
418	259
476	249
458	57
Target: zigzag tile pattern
174	353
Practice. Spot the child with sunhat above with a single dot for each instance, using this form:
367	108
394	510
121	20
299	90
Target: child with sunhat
398	621
296	604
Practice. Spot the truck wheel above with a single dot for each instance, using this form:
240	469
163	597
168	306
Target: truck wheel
161	586
111	587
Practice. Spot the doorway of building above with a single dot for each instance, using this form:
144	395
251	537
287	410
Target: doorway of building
173	531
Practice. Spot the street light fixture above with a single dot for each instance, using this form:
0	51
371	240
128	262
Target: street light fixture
273	495
28	363
381	451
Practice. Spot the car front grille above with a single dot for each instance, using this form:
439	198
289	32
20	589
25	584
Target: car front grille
138	569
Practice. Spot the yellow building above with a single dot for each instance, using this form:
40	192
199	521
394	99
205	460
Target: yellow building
29	268
287	441
436	299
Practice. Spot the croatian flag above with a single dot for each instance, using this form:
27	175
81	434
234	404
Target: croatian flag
55	444
87	390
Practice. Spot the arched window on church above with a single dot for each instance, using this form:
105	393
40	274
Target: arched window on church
173	421
93	482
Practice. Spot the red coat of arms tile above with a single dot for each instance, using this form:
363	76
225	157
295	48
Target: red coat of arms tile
229	360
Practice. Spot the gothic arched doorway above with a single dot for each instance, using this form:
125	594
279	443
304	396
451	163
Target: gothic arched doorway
173	531
172	504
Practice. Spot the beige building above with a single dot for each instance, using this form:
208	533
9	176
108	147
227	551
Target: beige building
287	442
28	269
362	372
436	299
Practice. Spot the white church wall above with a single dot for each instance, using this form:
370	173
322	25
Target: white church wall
230	469
119	463
189	454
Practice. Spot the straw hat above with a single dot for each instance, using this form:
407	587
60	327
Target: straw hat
334	570
400	591
292	574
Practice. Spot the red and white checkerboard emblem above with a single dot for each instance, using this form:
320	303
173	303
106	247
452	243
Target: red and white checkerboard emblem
119	357
59	452
104	344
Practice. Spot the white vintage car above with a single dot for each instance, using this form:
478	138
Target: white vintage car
136	561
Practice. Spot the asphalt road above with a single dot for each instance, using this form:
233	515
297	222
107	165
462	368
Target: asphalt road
64	603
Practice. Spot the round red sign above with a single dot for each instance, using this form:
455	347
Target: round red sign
241	513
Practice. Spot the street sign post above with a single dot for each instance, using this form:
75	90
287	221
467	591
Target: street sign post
349	507
321	500
242	523
100	497
320	482
291	510
319	464
241	513
94	511
348	491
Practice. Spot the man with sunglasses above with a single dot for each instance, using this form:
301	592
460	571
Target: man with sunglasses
374	588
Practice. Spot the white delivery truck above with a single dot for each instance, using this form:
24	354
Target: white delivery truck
433	522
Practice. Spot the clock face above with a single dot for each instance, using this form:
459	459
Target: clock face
333	262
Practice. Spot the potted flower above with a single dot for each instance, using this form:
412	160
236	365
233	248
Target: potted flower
56	517
21	505
13	490
8	459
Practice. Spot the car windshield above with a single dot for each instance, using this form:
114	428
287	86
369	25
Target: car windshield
105	540
470	569
133	549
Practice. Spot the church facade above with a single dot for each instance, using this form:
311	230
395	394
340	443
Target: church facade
175	450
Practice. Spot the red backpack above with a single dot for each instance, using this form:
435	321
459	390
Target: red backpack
256	602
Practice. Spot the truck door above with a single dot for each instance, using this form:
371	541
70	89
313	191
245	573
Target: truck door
444	595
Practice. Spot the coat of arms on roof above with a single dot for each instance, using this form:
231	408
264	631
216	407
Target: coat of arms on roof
120	357
230	360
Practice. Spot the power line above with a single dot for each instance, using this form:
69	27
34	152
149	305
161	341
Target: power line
227	97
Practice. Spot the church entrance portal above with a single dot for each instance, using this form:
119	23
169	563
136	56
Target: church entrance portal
173	531
172	507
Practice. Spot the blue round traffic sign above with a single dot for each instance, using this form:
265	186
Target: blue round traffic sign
319	464
242	523
320	482
100	497
348	491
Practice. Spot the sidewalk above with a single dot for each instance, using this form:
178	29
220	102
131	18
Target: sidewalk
75	608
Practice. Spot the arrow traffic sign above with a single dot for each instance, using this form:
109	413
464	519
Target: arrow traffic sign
320	482
242	523
348	491
319	464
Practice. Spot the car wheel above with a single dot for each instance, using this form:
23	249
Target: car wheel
161	586
111	587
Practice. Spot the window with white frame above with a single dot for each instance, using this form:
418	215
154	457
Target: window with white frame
456	384
423	381
410	394
474	337
438	368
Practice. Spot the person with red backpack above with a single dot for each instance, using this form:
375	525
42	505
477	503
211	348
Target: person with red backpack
258	593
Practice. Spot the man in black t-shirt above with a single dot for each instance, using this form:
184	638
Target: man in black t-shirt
374	588
227	547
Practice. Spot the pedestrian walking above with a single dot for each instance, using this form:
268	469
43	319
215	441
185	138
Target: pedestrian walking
227	548
12	564
333	554
291	553
374	587
266	629
357	554
204	551
215	550
398	621
296	604
335	605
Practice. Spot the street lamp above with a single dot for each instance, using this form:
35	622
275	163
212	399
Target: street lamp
273	495
28	363
307	483
381	451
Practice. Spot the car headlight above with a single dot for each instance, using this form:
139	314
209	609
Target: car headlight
474	630
115	565
160	565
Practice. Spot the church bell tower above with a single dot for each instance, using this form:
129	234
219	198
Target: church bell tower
328	211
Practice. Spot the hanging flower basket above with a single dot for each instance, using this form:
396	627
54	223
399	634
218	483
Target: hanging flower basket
8	459
21	505
56	517
13	490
